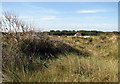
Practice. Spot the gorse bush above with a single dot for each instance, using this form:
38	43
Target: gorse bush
44	47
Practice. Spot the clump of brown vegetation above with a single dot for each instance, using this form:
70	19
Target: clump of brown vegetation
22	46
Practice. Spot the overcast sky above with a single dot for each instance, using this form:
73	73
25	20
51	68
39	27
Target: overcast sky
101	16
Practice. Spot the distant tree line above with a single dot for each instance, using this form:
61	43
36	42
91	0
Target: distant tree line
83	32
71	32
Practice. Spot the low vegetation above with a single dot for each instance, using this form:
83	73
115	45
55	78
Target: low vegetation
32	57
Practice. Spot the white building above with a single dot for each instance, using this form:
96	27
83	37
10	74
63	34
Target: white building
79	35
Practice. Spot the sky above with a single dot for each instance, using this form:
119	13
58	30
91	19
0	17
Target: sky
100	16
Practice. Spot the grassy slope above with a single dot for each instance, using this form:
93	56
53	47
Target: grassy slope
100	65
